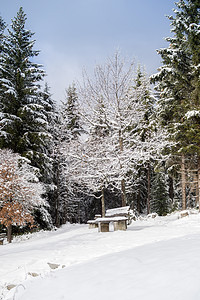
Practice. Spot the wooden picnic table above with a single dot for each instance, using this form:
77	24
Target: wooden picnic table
111	224
115	219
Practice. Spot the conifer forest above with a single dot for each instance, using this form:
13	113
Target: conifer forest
120	137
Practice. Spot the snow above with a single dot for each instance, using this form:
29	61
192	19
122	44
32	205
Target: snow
112	219
119	210
192	113
156	258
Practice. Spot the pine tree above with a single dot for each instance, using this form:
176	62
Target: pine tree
160	202
70	113
178	83
66	137
144	131
50	115
151	140
23	120
2	28
19	83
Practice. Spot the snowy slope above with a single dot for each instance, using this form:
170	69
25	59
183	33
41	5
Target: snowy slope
154	259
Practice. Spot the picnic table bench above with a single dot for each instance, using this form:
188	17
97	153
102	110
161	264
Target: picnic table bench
2	237
112	224
92	224
123	211
115	219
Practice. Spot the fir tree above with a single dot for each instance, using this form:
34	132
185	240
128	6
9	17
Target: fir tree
70	113
178	83
2	28
23	120
19	82
160	202
150	141
66	135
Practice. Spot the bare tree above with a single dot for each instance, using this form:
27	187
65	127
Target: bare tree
112	112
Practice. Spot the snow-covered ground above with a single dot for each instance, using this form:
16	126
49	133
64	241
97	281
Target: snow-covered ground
156	259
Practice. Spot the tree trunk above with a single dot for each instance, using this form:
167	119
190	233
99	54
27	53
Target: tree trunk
9	233
139	200
57	220
148	189
198	188
57	201
103	210
79	212
123	189
171	188
183	182
139	193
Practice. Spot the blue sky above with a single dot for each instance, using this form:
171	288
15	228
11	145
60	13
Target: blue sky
81	33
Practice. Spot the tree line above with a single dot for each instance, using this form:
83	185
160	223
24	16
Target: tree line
119	138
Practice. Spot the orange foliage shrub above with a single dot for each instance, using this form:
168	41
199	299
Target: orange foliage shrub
13	213
18	195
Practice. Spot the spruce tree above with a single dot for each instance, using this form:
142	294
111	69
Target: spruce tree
23	116
179	85
70	113
160	202
66	136
2	28
23	120
150	142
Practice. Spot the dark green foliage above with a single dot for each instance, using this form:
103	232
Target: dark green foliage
178	78
160	202
23	119
145	133
67	198
179	87
70	114
140	193
24	109
2	28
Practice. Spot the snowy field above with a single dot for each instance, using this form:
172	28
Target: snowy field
155	259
